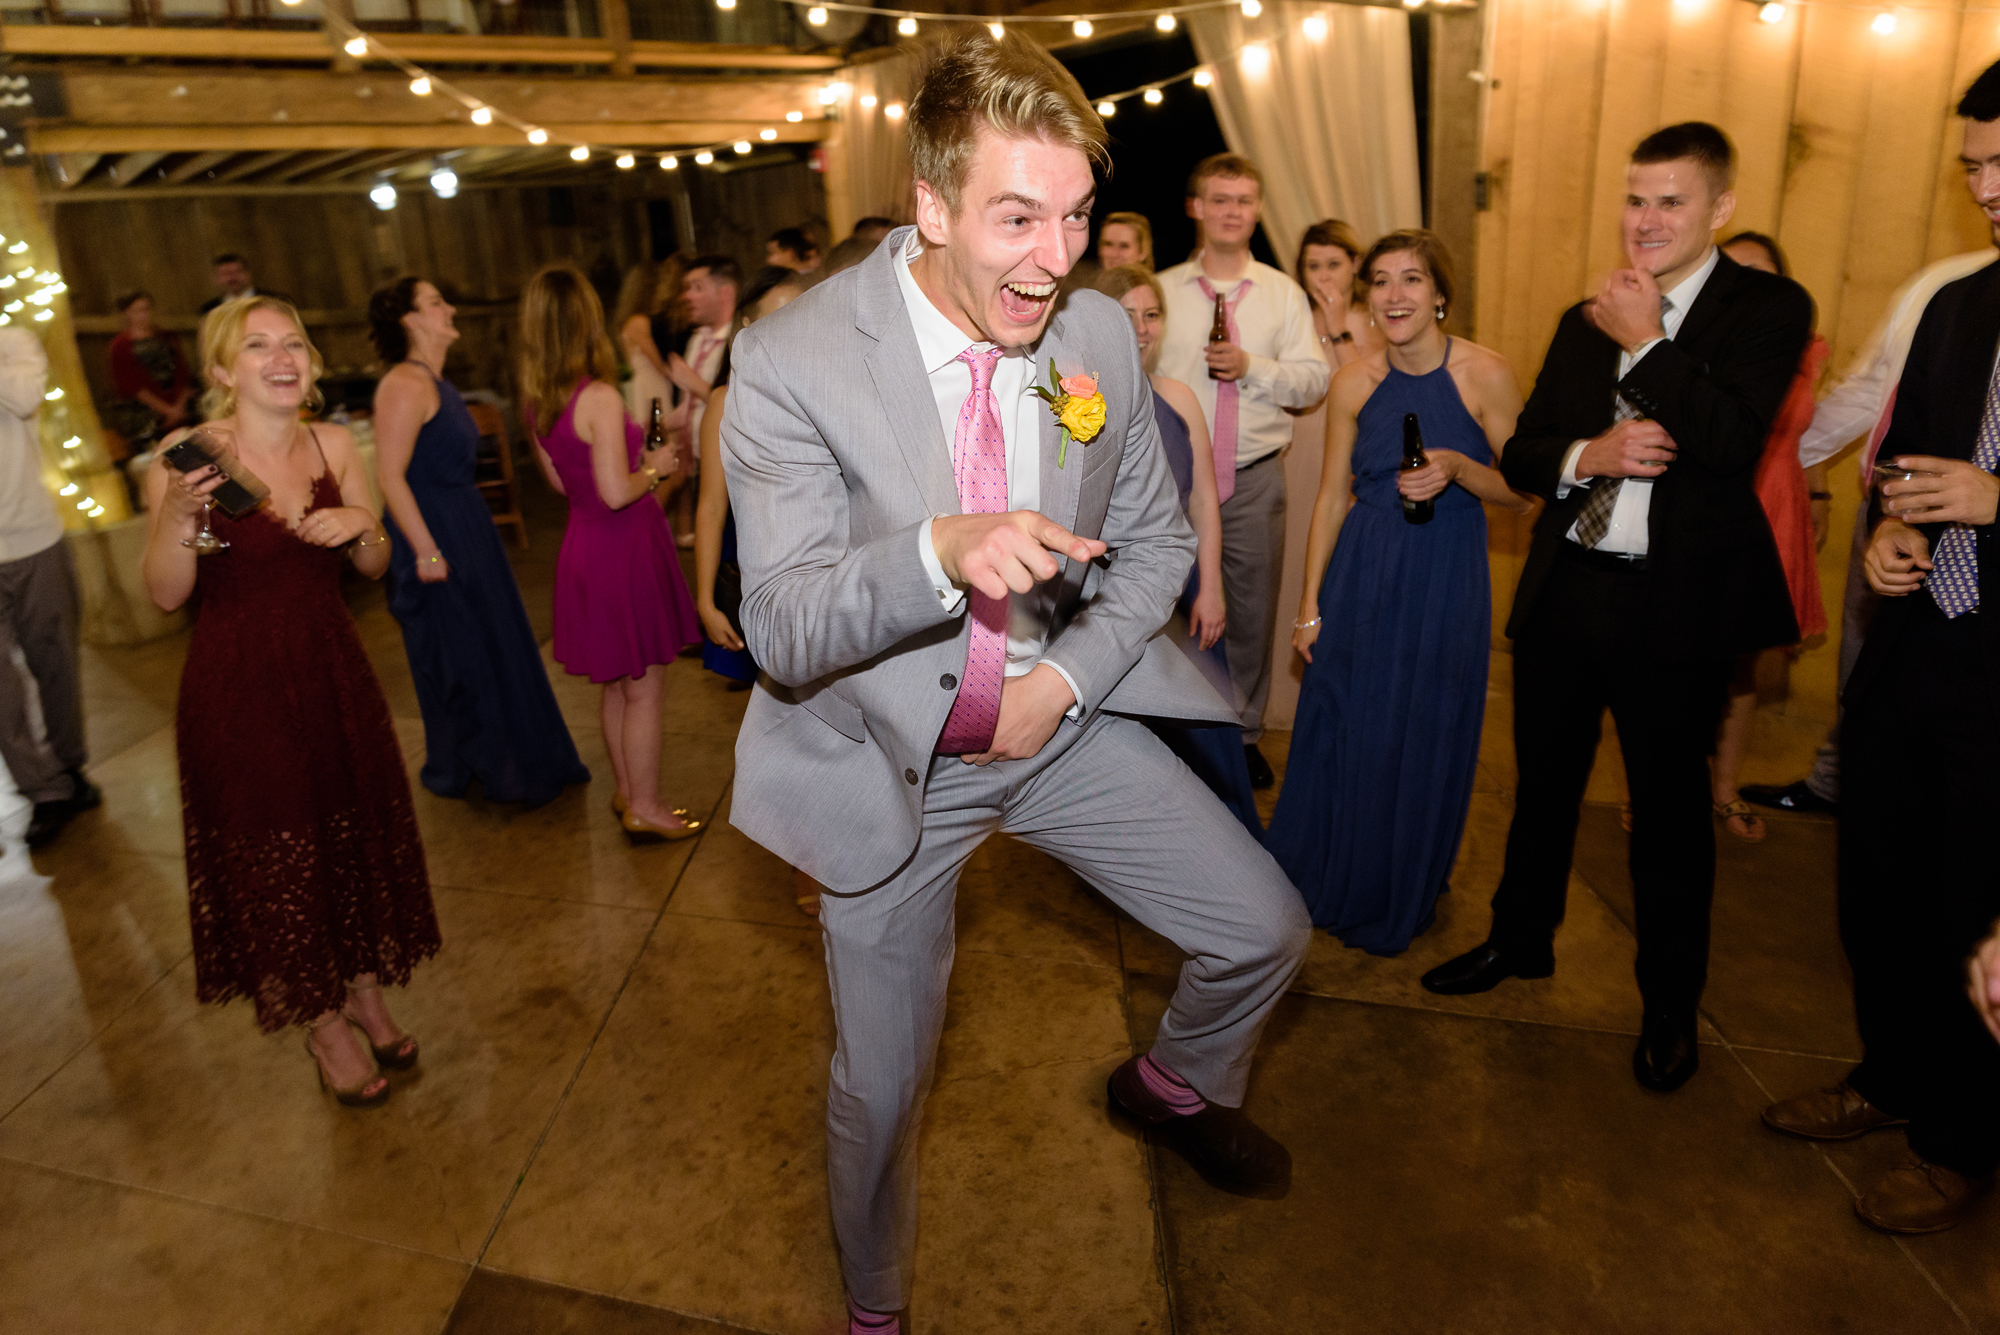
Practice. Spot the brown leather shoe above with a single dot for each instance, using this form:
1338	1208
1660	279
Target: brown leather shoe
1834	1113
1919	1197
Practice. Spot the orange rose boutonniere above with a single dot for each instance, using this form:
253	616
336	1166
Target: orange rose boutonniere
1078	406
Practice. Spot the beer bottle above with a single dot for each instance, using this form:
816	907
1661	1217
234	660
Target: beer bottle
1415	512
1219	331
656	430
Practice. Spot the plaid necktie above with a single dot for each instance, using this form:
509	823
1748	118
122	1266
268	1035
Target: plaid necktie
1954	578
1594	520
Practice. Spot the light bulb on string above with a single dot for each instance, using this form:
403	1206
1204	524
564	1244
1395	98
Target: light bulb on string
356	46
725	4
444	181
999	31
421	85
827	95
482	115
868	101
1413	4
795	116
1082	28
579	154
1154	97
767	134
670	163
703	158
1166	23
1314	27
1202	78
1883	24
816	16
1772	13
383	196
626	162
1256	59
1252	8
16	249
742	146
894	111
1107	108
907	26
537	135
45	315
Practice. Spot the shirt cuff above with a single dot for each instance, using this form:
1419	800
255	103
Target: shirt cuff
1568	479
949	594
1639	353
1075	711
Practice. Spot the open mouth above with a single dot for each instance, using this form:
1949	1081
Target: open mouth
1394	316
1025	303
282	379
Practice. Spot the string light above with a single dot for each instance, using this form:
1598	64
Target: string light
795	116
444	181
907	27
356	46
1202	78
537	135
1252	8
999	31
816	16
421	85
742	146
725	4
703	158
767	134
1884	24
1082	28
1166	23
868	101
827	95
1315	27
579	154
383	196
626	162
894	111
482	115
669	163
1154	97
1256	59
1107	108
1772	13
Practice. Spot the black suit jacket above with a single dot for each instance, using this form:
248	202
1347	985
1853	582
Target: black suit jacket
1939	403
1717	587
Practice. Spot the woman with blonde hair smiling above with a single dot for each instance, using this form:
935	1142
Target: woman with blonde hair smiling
306	879
622	608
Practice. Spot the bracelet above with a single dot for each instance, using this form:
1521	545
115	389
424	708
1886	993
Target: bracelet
435	558
652	473
1307	625
1820	495
363	542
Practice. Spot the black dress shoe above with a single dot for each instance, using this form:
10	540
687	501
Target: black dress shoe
48	822
1667	1055
1229	1150
1793	797
1260	768
85	795
1486	968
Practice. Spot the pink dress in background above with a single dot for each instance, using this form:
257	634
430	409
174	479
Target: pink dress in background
621	601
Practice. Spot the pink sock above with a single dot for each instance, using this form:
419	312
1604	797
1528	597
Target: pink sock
1169	1088
861	1321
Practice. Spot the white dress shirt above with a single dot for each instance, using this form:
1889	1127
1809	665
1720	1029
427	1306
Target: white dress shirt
939	343
704	357
1854	406
1626	533
1274	324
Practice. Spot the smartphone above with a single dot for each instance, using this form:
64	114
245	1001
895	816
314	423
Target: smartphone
241	490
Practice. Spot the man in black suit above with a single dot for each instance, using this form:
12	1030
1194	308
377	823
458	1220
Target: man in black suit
1652	569
1920	767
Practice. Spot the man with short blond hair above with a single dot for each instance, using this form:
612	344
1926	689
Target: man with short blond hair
1270	363
957	604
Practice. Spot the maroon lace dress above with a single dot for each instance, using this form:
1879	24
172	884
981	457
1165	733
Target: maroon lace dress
304	864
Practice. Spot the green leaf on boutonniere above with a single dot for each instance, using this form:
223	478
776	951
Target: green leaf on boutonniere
1062	450
1055	384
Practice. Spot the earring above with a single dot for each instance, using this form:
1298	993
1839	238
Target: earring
1440	315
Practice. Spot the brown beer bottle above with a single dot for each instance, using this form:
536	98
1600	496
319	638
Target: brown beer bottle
1415	512
656	430
1219	331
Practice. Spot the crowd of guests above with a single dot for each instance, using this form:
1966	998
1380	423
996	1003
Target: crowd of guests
1666	440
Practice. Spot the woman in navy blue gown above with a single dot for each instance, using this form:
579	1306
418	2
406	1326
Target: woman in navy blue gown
1215	754
1396	621
489	713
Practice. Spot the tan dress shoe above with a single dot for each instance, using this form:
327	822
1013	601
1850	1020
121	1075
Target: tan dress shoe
1919	1197
1834	1113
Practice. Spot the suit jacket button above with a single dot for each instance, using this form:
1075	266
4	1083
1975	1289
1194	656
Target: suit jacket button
910	774
949	682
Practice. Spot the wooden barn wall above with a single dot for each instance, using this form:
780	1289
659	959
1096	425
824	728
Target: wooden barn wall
329	251
1847	154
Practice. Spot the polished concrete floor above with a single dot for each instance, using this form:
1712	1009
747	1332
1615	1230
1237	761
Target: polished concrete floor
617	1124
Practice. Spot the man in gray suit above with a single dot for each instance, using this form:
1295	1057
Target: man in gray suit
957	609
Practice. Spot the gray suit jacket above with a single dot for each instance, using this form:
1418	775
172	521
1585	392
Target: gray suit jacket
835	459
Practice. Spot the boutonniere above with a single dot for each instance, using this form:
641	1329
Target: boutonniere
1078	406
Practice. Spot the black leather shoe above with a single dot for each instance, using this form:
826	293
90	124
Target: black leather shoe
48	822
1229	1150
1667	1055
1793	797
1260	768
1486	968
85	796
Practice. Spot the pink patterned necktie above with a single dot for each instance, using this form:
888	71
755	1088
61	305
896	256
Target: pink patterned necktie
981	454
1226	399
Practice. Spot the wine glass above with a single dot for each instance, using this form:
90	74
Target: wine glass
206	541
216	445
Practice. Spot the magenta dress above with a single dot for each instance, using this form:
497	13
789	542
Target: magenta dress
621	603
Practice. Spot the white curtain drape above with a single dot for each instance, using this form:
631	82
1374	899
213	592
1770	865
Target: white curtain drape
876	155
1331	119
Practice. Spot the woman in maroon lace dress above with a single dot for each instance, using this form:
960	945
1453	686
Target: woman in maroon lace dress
306	879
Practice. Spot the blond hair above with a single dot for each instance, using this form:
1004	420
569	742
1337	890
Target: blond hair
1010	86
1234	166
222	335
1140	225
1121	279
563	342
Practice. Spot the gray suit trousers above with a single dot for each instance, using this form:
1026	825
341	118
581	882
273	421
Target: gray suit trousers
1108	799
38	612
1253	564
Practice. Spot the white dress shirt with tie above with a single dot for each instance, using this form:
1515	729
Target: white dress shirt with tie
1627	533
939	343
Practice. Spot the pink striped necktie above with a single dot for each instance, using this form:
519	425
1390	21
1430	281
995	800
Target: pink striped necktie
1226	400
981	454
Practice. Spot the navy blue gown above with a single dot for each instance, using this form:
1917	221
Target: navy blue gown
1215	754
489	713
1379	778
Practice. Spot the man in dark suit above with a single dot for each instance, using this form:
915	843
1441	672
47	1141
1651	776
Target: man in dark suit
1652	569
1920	785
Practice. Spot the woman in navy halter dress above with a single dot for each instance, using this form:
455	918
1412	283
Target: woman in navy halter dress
1379	777
489	712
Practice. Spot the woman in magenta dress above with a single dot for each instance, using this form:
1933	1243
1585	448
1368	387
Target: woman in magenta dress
622	607
306	882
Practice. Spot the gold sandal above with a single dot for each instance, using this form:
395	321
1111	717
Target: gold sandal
399	1055
645	832
1729	813
618	808
352	1096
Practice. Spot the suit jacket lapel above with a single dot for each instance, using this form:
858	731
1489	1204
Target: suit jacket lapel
1059	485
1714	299
901	385
1972	350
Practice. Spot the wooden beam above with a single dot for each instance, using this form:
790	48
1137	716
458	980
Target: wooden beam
195	165
80	139
368	164
614	24
304	47
72	168
132	166
301	97
312	162
254	163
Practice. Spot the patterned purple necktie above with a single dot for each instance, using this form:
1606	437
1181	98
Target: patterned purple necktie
1954	578
981	454
1228	400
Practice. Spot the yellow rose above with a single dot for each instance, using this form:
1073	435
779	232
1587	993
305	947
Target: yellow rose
1083	417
